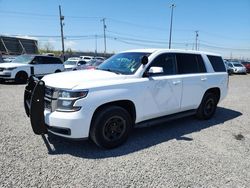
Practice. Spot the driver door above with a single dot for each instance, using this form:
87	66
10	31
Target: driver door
163	91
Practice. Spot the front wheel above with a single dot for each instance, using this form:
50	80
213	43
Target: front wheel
21	77
110	127
207	107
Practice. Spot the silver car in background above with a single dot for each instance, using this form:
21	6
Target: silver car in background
238	68
74	64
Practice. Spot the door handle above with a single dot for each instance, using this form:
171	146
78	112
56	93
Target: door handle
203	79
176	82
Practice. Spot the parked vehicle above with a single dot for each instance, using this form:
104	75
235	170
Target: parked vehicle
229	67
74	64
99	58
93	64
86	58
8	59
132	88
24	66
238	68
247	65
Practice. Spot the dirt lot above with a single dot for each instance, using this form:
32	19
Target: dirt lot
182	153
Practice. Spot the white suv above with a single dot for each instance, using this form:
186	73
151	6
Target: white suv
132	88
24	66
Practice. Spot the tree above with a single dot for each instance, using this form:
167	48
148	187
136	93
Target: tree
48	47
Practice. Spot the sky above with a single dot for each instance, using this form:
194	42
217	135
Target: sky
223	25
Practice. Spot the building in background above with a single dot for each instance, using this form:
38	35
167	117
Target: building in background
17	45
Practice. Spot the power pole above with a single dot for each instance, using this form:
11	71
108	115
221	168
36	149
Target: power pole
104	33
95	45
62	37
171	23
196	40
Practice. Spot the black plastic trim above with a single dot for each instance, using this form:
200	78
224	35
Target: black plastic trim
164	119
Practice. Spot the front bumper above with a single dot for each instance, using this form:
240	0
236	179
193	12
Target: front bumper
76	122
5	75
66	124
240	71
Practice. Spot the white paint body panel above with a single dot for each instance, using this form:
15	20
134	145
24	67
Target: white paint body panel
152	96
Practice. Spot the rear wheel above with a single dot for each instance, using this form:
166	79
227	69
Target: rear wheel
110	127
207	107
21	78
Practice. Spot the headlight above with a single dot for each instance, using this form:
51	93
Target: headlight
67	99
10	68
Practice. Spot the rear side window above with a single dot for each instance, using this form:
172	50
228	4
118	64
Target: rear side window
54	60
217	63
190	63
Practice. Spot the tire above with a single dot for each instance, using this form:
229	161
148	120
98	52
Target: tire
57	71
207	107
2	81
110	127
21	78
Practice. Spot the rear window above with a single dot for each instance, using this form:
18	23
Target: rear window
190	63
217	63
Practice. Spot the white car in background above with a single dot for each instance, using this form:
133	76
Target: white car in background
74	64
238	68
23	66
86	58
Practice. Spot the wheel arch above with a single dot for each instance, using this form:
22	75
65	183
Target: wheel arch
126	104
216	91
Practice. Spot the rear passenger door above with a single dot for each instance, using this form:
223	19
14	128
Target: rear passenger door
192	69
40	68
164	90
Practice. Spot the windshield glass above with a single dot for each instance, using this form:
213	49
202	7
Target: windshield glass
25	59
123	63
238	65
70	62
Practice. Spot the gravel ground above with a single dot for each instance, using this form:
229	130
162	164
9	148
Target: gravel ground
181	153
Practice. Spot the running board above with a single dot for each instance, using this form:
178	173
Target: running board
164	119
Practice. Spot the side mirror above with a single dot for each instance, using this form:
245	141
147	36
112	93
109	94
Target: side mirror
155	70
144	60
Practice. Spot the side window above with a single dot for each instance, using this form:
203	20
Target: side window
217	63
190	63
37	60
167	62
82	62
56	61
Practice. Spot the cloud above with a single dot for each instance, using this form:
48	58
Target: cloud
70	44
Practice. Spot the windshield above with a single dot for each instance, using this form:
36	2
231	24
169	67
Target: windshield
25	59
123	63
70	62
238	65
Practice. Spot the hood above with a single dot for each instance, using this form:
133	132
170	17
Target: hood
9	65
81	78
